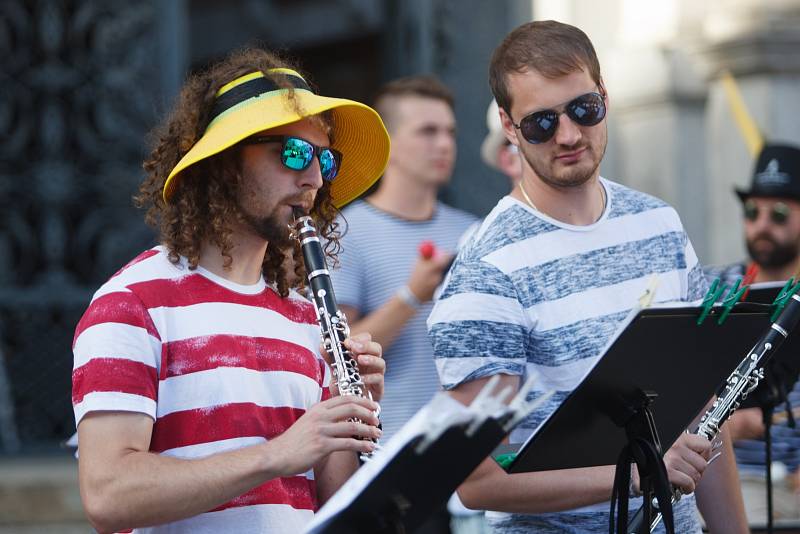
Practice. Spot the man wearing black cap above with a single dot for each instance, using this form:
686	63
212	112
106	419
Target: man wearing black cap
202	401
772	234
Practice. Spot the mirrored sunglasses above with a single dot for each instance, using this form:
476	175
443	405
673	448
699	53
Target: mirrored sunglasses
297	154
540	126
778	213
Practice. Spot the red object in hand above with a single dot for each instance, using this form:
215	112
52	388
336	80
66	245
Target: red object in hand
427	249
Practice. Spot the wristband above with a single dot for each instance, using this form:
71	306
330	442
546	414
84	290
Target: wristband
408	297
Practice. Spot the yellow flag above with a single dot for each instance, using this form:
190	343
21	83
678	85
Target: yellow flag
748	127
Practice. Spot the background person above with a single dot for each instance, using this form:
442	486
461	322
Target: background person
390	295
771	210
496	150
391	298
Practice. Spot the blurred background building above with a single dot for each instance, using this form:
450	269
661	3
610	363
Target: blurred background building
83	81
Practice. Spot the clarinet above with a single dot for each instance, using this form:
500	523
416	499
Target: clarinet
332	321
738	386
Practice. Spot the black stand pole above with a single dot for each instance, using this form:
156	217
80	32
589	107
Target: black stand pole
643	449
643	427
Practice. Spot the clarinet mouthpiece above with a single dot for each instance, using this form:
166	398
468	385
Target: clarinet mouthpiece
298	211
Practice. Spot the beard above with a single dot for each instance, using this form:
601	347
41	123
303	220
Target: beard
778	255
572	176
269	227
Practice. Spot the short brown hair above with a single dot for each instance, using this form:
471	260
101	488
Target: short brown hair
204	207
424	86
551	48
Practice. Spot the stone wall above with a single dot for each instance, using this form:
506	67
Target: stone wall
670	129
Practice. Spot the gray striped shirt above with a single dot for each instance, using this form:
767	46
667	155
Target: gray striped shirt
378	253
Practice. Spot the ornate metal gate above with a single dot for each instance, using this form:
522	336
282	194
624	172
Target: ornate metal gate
80	80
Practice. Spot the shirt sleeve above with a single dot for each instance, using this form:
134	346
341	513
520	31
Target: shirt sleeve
693	282
116	352
696	282
478	327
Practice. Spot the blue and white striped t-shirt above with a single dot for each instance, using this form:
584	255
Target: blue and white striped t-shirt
529	295
378	253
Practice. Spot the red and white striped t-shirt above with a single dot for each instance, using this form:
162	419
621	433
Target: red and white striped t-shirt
217	365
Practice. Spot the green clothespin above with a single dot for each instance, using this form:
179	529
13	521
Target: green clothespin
505	460
731	299
711	297
789	289
784	291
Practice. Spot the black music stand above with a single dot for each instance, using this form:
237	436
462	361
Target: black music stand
415	484
652	381
416	480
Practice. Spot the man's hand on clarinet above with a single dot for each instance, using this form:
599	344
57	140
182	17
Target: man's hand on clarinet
371	365
686	461
345	423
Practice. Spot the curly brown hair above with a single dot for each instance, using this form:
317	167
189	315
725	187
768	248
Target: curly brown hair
204	207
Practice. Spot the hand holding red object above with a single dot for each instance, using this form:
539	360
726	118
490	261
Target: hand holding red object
427	249
428	270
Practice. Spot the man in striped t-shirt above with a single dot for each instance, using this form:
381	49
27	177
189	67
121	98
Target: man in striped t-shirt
391	295
391	298
542	285
202	401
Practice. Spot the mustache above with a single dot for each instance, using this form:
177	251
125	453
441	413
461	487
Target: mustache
304	201
764	237
576	146
564	149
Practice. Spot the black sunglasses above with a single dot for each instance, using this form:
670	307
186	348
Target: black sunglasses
778	214
297	154
540	126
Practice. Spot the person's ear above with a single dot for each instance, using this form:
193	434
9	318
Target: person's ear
508	127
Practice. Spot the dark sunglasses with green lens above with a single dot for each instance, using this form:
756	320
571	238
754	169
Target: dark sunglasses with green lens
297	154
778	214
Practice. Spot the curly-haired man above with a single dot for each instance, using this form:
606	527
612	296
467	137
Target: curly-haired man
202	401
